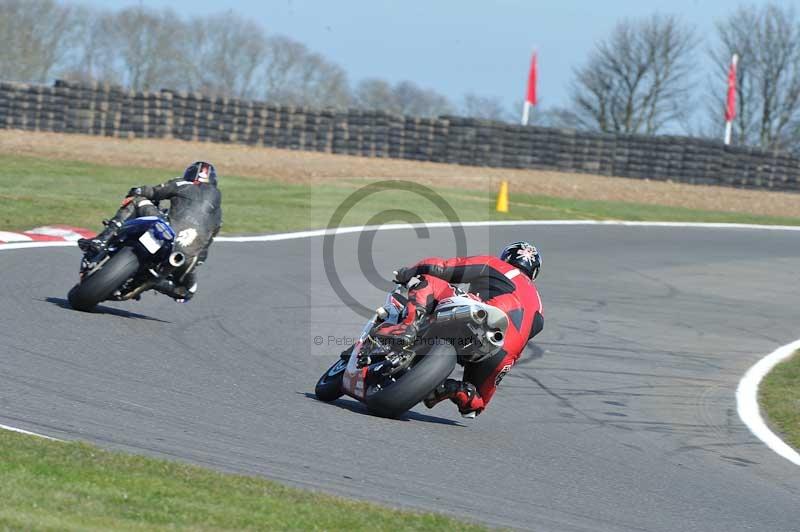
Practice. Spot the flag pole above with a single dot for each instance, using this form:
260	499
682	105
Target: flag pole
730	101
526	112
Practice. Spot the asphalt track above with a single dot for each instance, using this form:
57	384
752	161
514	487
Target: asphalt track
621	417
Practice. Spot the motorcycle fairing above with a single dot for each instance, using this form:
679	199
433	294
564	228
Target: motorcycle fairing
354	378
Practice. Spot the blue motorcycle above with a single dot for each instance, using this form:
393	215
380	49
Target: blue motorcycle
139	255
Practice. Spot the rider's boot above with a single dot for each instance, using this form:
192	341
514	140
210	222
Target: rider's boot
405	332
100	242
463	394
181	294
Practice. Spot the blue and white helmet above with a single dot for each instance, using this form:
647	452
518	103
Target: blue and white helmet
523	256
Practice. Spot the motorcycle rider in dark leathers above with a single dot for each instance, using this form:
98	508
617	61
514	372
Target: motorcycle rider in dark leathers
505	282
195	214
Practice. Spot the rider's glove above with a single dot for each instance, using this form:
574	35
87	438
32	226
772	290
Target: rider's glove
145	191
404	275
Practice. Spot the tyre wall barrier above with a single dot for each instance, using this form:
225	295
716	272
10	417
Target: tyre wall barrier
107	110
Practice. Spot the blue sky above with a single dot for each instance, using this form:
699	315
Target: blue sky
455	46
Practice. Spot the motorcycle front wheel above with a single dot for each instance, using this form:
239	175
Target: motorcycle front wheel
329	386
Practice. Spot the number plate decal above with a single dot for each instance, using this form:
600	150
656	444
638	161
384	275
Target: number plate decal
151	244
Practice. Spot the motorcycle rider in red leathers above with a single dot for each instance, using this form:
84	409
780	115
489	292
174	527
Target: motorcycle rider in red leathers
506	283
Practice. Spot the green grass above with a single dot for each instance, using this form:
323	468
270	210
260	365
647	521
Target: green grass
61	486
779	395
37	191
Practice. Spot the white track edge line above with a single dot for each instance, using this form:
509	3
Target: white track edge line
27	432
436	225
747	401
746	398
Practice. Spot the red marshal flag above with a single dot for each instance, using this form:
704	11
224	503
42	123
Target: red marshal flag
531	96
730	102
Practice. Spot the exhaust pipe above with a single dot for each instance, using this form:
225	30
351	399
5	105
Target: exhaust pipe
477	315
495	338
177	259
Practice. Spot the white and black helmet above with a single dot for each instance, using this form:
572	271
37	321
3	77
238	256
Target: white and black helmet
201	172
523	256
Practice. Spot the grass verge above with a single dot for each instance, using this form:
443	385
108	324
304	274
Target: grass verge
67	486
779	395
35	191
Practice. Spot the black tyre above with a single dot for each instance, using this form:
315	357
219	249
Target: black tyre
102	283
413	386
329	386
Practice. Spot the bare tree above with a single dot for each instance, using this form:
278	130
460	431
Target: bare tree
323	83
374	93
95	56
637	80
405	97
486	107
283	57
224	54
36	35
151	47
767	40
294	75
414	100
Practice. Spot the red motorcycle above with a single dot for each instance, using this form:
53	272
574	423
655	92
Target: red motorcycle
391	377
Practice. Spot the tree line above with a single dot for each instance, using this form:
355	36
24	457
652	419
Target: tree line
221	54
644	77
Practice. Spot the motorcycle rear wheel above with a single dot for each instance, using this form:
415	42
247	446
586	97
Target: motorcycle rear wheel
101	284
414	385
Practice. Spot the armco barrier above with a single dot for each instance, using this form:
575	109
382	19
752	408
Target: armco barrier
101	109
